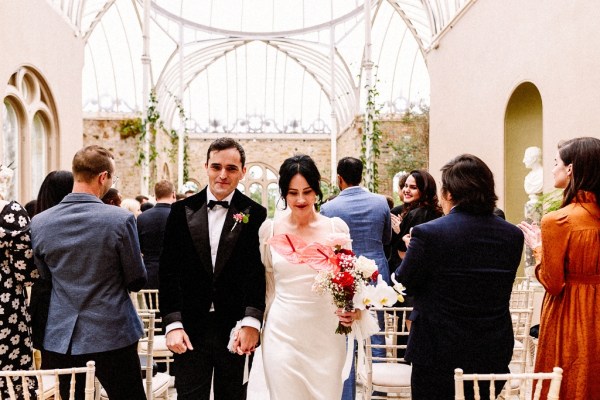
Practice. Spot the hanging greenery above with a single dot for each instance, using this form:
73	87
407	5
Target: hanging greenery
136	128
371	168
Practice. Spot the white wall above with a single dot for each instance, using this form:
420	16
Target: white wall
33	34
493	48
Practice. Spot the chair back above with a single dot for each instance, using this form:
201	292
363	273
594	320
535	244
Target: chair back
46	382
155	385
533	383
387	372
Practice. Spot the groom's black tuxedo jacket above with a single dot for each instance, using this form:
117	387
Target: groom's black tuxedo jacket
188	285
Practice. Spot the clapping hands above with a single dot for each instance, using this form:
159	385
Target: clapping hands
532	233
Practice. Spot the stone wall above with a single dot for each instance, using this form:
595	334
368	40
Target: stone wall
271	151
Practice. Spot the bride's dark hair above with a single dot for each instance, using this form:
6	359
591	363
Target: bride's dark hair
303	165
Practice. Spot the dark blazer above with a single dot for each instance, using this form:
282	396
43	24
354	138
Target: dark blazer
151	231
188	285
460	269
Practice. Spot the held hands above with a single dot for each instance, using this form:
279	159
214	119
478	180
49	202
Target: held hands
178	341
532	233
246	340
347	317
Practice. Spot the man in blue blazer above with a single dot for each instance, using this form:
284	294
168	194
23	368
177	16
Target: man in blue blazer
151	229
460	269
211	277
91	253
369	219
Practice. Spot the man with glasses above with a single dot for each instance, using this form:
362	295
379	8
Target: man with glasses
92	254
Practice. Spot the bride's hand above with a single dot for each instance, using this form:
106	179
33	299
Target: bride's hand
347	317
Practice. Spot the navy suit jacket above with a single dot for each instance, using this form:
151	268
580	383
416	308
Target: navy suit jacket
188	284
460	269
91	252
151	231
368	217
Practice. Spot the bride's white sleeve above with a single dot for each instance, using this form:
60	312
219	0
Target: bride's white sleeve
339	226
264	234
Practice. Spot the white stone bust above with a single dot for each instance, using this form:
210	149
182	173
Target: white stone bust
534	180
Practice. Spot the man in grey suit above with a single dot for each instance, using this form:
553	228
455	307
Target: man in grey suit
368	216
91	253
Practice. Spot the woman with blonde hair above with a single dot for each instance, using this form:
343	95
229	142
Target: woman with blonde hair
567	252
132	205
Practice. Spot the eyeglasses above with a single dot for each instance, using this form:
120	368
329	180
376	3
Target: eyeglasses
114	177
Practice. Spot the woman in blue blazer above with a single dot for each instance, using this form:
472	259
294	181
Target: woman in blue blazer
460	269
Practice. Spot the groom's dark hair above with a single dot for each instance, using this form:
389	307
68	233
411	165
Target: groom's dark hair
225	143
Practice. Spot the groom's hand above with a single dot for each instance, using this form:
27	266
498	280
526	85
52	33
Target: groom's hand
247	340
178	341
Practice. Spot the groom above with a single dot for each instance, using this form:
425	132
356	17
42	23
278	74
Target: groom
211	276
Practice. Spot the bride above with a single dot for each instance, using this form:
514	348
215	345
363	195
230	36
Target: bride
303	356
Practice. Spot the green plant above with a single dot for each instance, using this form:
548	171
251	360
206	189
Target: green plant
371	133
130	127
551	201
412	150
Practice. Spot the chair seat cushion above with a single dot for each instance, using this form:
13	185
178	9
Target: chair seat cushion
391	374
160	383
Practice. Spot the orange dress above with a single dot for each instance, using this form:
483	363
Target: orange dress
569	269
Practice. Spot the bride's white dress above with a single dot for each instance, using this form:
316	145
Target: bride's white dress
303	356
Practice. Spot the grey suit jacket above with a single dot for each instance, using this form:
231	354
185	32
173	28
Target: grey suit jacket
92	254
368	217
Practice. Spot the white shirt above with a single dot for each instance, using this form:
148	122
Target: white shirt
216	220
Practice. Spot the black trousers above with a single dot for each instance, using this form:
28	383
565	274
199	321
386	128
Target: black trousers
436	382
118	371
194	369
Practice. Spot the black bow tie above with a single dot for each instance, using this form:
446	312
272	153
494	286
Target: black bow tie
212	203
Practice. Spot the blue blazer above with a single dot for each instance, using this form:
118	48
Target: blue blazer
90	250
460	269
368	217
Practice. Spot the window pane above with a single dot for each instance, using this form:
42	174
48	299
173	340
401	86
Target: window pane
256	192
38	153
10	139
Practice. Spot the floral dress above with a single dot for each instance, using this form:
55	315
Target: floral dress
17	270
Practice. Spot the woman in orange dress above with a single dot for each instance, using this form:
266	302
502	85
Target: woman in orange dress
568	265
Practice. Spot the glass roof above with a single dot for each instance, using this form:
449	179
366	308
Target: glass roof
260	66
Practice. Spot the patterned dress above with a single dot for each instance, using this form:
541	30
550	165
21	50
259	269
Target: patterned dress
17	270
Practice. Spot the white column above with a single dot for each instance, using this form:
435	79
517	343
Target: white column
333	123
369	109
181	141
145	170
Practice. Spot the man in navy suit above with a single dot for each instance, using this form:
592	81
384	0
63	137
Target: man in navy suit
151	229
211	277
369	219
91	253
460	269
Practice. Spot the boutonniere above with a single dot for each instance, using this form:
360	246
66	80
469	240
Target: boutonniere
241	218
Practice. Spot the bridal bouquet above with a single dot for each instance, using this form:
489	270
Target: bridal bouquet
344	276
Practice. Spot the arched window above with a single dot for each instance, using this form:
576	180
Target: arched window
260	184
29	132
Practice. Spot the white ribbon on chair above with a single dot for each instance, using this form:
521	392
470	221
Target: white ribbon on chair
366	326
